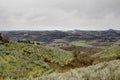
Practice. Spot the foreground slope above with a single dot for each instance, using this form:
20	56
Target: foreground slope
102	71
21	60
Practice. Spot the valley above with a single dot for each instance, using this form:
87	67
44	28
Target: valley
46	55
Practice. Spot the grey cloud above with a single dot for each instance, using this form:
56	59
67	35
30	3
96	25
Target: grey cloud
59	14
95	8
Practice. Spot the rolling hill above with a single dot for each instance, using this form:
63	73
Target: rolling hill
20	60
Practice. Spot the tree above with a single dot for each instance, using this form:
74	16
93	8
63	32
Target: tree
5	39
0	37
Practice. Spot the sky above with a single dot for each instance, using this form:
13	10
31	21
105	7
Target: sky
59	14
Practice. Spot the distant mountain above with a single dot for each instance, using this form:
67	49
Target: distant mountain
49	36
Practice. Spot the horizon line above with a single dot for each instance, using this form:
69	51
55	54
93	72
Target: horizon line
59	30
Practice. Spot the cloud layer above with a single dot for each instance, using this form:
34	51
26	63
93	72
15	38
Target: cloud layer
59	14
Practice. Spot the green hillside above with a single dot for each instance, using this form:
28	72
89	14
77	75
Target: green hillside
21	60
111	52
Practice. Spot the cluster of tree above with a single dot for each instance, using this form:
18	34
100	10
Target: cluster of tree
0	37
4	38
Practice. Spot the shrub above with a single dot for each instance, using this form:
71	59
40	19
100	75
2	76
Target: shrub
23	59
5	39
103	71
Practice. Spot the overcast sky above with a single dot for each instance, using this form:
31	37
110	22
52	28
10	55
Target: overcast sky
59	14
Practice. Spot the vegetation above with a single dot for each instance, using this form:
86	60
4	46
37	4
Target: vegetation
85	56
112	52
20	60
23	57
103	71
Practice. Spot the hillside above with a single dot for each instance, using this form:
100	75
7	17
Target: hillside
111	52
23	59
20	60
102	71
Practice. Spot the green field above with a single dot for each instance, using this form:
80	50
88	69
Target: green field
82	43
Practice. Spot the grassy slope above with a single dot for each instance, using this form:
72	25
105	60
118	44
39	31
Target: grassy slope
103	71
112	52
20	60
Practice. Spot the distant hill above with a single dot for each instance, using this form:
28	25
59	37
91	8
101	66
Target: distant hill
49	36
